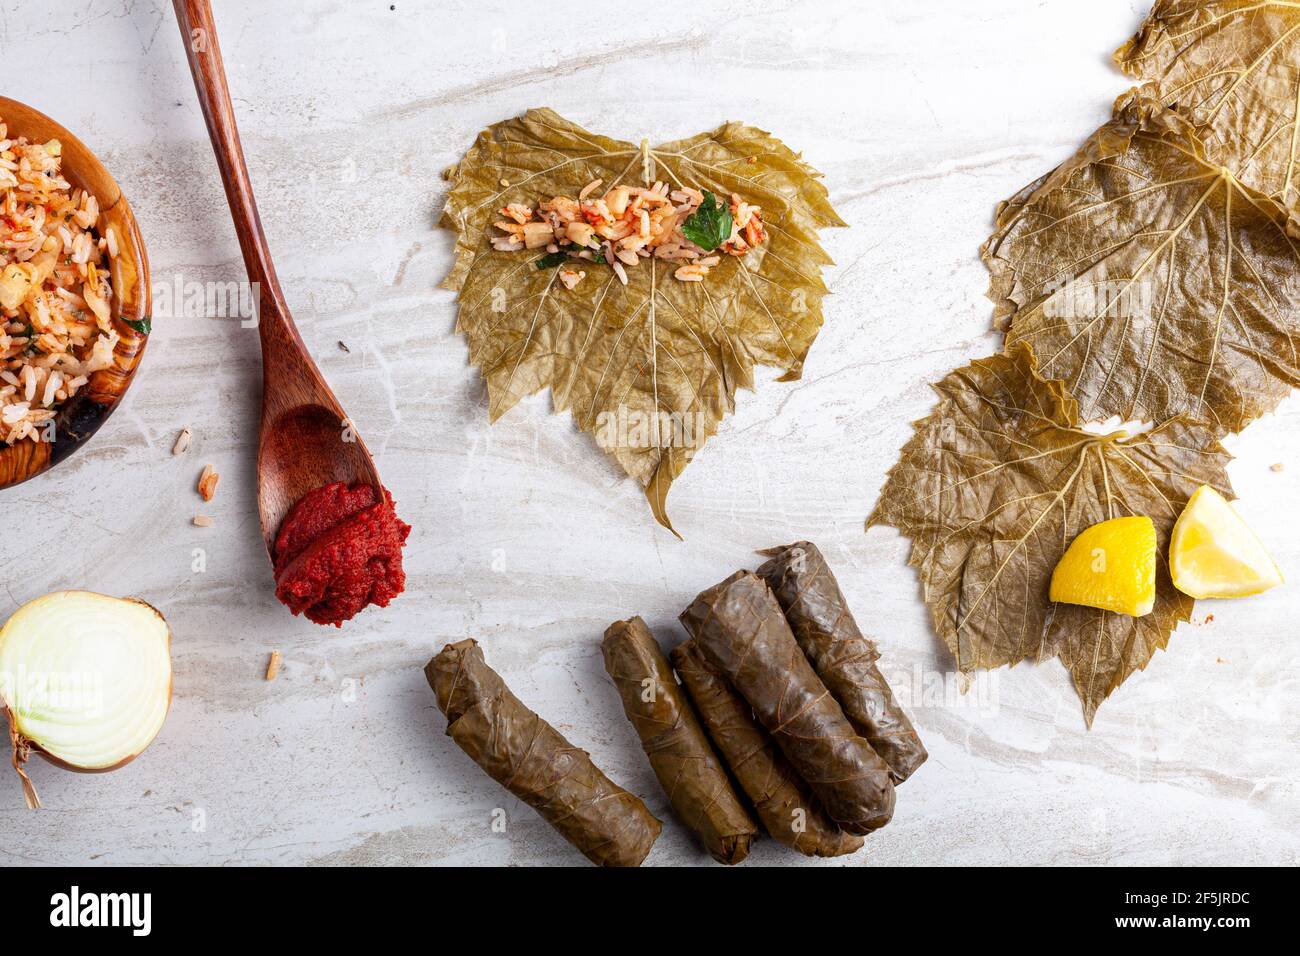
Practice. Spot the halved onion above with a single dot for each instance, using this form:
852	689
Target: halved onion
85	680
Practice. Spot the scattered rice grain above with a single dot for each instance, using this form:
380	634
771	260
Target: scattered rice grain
208	479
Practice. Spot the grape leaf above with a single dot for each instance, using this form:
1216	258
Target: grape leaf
649	368
994	485
1231	67
1150	279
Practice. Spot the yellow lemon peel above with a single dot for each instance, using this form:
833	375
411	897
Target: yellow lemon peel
1110	565
1214	554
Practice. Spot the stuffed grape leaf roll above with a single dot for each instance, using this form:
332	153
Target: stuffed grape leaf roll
844	659
678	749
784	804
531	759
741	629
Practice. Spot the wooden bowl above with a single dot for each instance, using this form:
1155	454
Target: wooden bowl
80	417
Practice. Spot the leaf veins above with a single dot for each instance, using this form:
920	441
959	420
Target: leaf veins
994	485
656	350
1150	279
1229	66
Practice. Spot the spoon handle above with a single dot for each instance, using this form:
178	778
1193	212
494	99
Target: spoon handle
306	439
199	33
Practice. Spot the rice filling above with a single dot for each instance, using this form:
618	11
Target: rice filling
56	325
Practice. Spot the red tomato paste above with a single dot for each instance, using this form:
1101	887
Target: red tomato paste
339	550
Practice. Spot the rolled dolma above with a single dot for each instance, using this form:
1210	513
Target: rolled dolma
739	626
844	659
531	759
786	806
680	753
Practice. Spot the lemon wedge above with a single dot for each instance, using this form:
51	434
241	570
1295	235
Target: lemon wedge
1110	565
1214	554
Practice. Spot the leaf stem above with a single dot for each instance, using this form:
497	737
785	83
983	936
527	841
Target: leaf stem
647	164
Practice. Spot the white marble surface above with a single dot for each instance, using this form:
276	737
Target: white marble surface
922	116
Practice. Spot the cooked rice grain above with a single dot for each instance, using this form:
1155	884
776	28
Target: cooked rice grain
55	314
631	223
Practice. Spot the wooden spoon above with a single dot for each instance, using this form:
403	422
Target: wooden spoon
306	438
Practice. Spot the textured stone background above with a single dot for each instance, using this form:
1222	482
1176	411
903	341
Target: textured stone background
525	537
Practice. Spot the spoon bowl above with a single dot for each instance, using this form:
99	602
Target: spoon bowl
301	449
